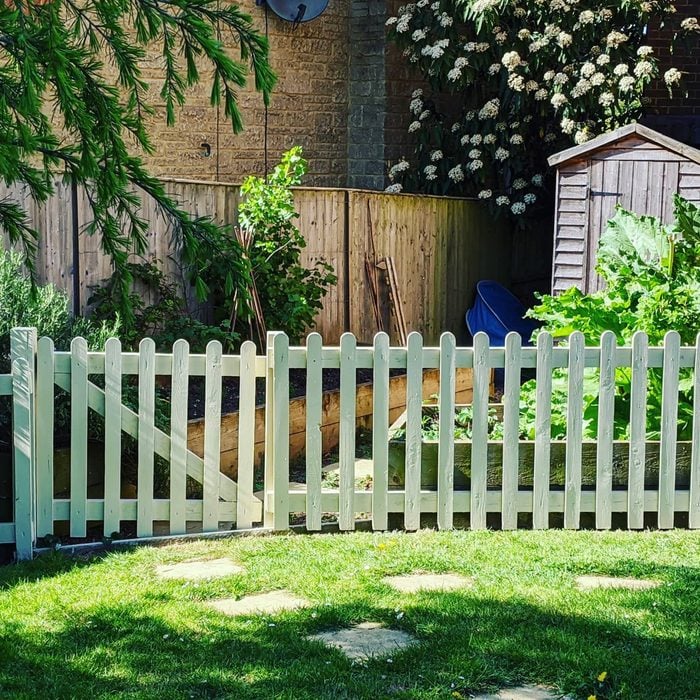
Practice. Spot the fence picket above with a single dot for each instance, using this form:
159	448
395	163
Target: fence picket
346	448
380	433
113	436
246	437
638	430
179	389
446	445
606	417
212	438
574	431
314	437
78	438
44	439
694	507
511	432
480	411
414	414
669	427
147	387
543	433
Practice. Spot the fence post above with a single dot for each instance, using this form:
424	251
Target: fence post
277	432
23	354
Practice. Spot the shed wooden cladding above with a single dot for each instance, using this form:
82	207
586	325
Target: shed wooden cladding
441	247
633	166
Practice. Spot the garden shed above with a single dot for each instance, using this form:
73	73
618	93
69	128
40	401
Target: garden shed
634	166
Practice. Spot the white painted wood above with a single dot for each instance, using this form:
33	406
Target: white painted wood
694	495
113	436
246	438
212	437
314	441
44	437
414	415
574	432
380	433
482	377
511	431
78	438
178	436
669	428
606	417
146	424
346	447
638	429
543	433
278	388
446	446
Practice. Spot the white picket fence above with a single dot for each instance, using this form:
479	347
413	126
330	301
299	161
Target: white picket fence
95	380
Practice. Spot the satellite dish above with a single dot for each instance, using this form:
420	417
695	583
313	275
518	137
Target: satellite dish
297	11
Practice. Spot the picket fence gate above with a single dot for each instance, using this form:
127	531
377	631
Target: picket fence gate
95	380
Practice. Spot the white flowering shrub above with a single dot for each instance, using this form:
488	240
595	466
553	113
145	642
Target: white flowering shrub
531	77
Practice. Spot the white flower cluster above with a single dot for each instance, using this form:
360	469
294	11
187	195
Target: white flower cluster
394	189
690	24
399	168
456	174
672	76
490	109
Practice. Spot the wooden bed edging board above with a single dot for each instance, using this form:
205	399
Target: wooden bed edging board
330	418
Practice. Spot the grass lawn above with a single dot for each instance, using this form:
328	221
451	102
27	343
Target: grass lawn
108	627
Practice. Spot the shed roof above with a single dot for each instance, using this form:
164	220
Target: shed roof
628	130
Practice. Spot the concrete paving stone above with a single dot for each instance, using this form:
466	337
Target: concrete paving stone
260	603
587	583
366	640
199	570
420	581
525	692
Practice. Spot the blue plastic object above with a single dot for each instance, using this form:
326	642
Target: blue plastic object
497	312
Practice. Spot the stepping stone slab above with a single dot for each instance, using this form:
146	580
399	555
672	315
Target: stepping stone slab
199	570
367	640
587	583
414	583
262	603
525	692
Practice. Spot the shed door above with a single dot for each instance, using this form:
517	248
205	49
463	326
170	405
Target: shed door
642	186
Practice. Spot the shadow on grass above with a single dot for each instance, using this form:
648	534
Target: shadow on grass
176	649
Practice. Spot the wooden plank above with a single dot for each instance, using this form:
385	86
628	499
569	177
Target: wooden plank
638	429
277	427
694	489
446	447
346	448
146	437
669	427
314	438
482	380
574	431
212	441
113	436
606	418
511	430
44	438
380	430
647	154
670	186
414	414
78	437
543	432
178	436
246	447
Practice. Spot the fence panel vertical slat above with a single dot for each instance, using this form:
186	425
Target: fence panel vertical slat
44	438
574	432
694	514
146	439
246	437
606	417
414	410
78	438
212	437
480	410
543	433
638	430
346	448
669	428
380	433
446	445
23	351
179	388
277	432
511	432
113	436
